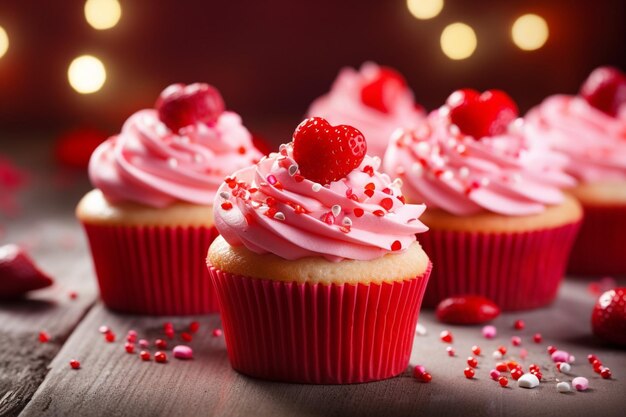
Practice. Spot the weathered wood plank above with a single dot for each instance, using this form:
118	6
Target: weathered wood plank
112	382
46	227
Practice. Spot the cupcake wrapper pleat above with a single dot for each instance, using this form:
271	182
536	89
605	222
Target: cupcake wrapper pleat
154	270
518	271
600	248
315	333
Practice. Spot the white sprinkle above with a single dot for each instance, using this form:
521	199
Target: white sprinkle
452	142
225	195
422	149
564	367
346	221
263	158
528	381
420	329
400	170
464	172
172	162
376	162
336	209
516	126
417	168
454	130
279	215
198	158
516	178
571	359
447	175
316	187
484	181
461	148
293	169
160	129
497	354
444	110
397	183
563	387
263	208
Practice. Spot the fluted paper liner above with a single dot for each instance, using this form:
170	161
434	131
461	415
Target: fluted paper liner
316	333
600	248
154	270
519	271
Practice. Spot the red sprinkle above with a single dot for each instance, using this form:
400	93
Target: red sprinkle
160	357
169	333
75	364
450	351
605	373
551	349
160	344
358	212
242	150
503	381
516	374
130	347
186	336
502	367
469	373
502	349
591	358
73	295
227	205
44	337
471	361
194	326
516	341
476	350
369	193
426	377
597	366
446	336
109	337
396	245
537	338
519	324
378	213
513	365
386	203
217	332
368	170
144	355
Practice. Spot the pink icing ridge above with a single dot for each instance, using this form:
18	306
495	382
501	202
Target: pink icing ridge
343	105
594	141
148	164
306	234
506	174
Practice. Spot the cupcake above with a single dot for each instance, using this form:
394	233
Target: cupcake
590	129
149	220
317	269
375	99
499	224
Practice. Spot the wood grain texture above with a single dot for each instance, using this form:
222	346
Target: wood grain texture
45	227
112	382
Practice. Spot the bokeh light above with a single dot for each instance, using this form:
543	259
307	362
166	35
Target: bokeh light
530	32
458	41
4	42
103	14
424	9
86	74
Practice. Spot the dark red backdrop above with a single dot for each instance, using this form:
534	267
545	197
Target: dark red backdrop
271	58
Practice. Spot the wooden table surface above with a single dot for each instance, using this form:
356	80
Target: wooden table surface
35	378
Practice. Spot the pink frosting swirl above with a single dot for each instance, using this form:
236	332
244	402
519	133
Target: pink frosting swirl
149	164
270	208
506	174
594	141
343	105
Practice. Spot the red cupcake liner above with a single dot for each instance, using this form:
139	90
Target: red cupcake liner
315	333
600	248
153	270
518	271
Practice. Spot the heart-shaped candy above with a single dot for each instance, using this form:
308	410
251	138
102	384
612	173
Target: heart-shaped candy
479	115
326	153
181	105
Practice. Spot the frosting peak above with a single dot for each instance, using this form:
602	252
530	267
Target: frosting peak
149	164
271	208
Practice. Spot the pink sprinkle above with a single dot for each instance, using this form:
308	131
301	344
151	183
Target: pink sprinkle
489	332
450	351
131	336
104	329
516	340
580	383
143	343
494	374
523	353
560	356
419	370
182	352
271	179
217	332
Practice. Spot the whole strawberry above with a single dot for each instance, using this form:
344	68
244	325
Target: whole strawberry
608	319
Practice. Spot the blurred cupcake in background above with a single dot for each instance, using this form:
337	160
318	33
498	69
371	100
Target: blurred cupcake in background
590	128
318	272
500	226
374	99
149	219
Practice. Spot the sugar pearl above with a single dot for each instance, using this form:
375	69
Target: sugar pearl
489	332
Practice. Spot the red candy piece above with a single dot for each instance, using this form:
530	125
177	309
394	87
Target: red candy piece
327	153
476	350
383	90
194	326
468	309
426	377
74	364
516	373
160	357
503	381
181	105
160	344
18	273
471	361
74	148
608	319
469	373
479	115
605	373
446	336
605	89
144	355
44	337
519	324
109	337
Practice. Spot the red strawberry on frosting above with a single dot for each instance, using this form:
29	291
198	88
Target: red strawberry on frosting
608	319
383	90
467	309
479	115
18	273
181	105
605	89
326	153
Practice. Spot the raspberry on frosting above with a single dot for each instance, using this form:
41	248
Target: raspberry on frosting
504	172
375	99
272	207
151	164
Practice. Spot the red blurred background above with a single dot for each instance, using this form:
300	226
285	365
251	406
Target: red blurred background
271	58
